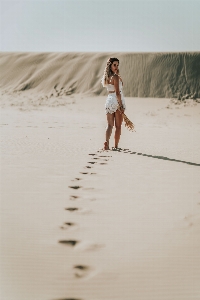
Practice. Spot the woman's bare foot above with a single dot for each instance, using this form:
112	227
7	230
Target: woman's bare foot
106	146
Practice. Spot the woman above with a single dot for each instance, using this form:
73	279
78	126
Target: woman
115	103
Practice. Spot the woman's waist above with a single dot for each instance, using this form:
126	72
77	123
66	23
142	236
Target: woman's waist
113	97
114	92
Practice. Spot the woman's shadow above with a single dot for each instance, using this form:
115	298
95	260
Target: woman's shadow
154	156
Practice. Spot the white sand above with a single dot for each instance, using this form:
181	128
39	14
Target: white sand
135	233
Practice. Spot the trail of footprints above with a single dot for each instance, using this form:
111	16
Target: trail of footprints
83	271
100	158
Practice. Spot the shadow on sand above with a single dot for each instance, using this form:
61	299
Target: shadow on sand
154	156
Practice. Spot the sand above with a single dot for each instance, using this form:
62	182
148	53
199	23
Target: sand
130	230
160	75
81	223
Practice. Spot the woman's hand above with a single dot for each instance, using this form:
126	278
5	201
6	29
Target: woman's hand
121	109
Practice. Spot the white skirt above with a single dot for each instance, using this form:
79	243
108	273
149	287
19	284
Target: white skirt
111	104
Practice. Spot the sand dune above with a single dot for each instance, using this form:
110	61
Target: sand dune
144	74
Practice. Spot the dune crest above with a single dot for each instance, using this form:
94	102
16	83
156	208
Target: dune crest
161	75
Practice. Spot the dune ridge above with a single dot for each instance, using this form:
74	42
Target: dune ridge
159	75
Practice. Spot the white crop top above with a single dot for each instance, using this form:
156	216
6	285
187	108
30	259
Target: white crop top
111	87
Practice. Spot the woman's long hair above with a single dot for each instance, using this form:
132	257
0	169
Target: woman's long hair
107	71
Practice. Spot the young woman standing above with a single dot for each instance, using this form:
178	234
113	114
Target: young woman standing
115	102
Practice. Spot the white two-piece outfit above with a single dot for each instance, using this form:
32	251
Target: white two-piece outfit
112	104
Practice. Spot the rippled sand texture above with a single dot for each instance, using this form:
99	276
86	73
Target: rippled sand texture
78	223
56	74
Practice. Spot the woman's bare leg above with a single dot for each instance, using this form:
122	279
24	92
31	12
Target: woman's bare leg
118	123
110	120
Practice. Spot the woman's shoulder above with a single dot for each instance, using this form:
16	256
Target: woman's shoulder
117	78
112	78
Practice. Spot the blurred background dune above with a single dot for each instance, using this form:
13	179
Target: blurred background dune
160	75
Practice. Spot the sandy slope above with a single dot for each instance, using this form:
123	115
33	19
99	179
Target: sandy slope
129	230
144	74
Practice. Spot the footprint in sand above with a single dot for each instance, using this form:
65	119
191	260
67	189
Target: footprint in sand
75	187
81	271
88	167
92	162
75	179
69	299
67	225
80	210
72	197
192	220
103	163
91	154
72	208
85	173
71	243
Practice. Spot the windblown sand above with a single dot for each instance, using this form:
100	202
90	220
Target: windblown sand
79	223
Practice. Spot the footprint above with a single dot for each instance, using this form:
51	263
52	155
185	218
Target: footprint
133	152
67	225
81	271
105	156
76	179
84	173
92	162
75	187
72	197
93	173
69	242
72	208
103	163
91	154
189	218
88	167
69	299
80	210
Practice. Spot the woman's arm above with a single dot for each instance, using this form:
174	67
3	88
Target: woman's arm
116	85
